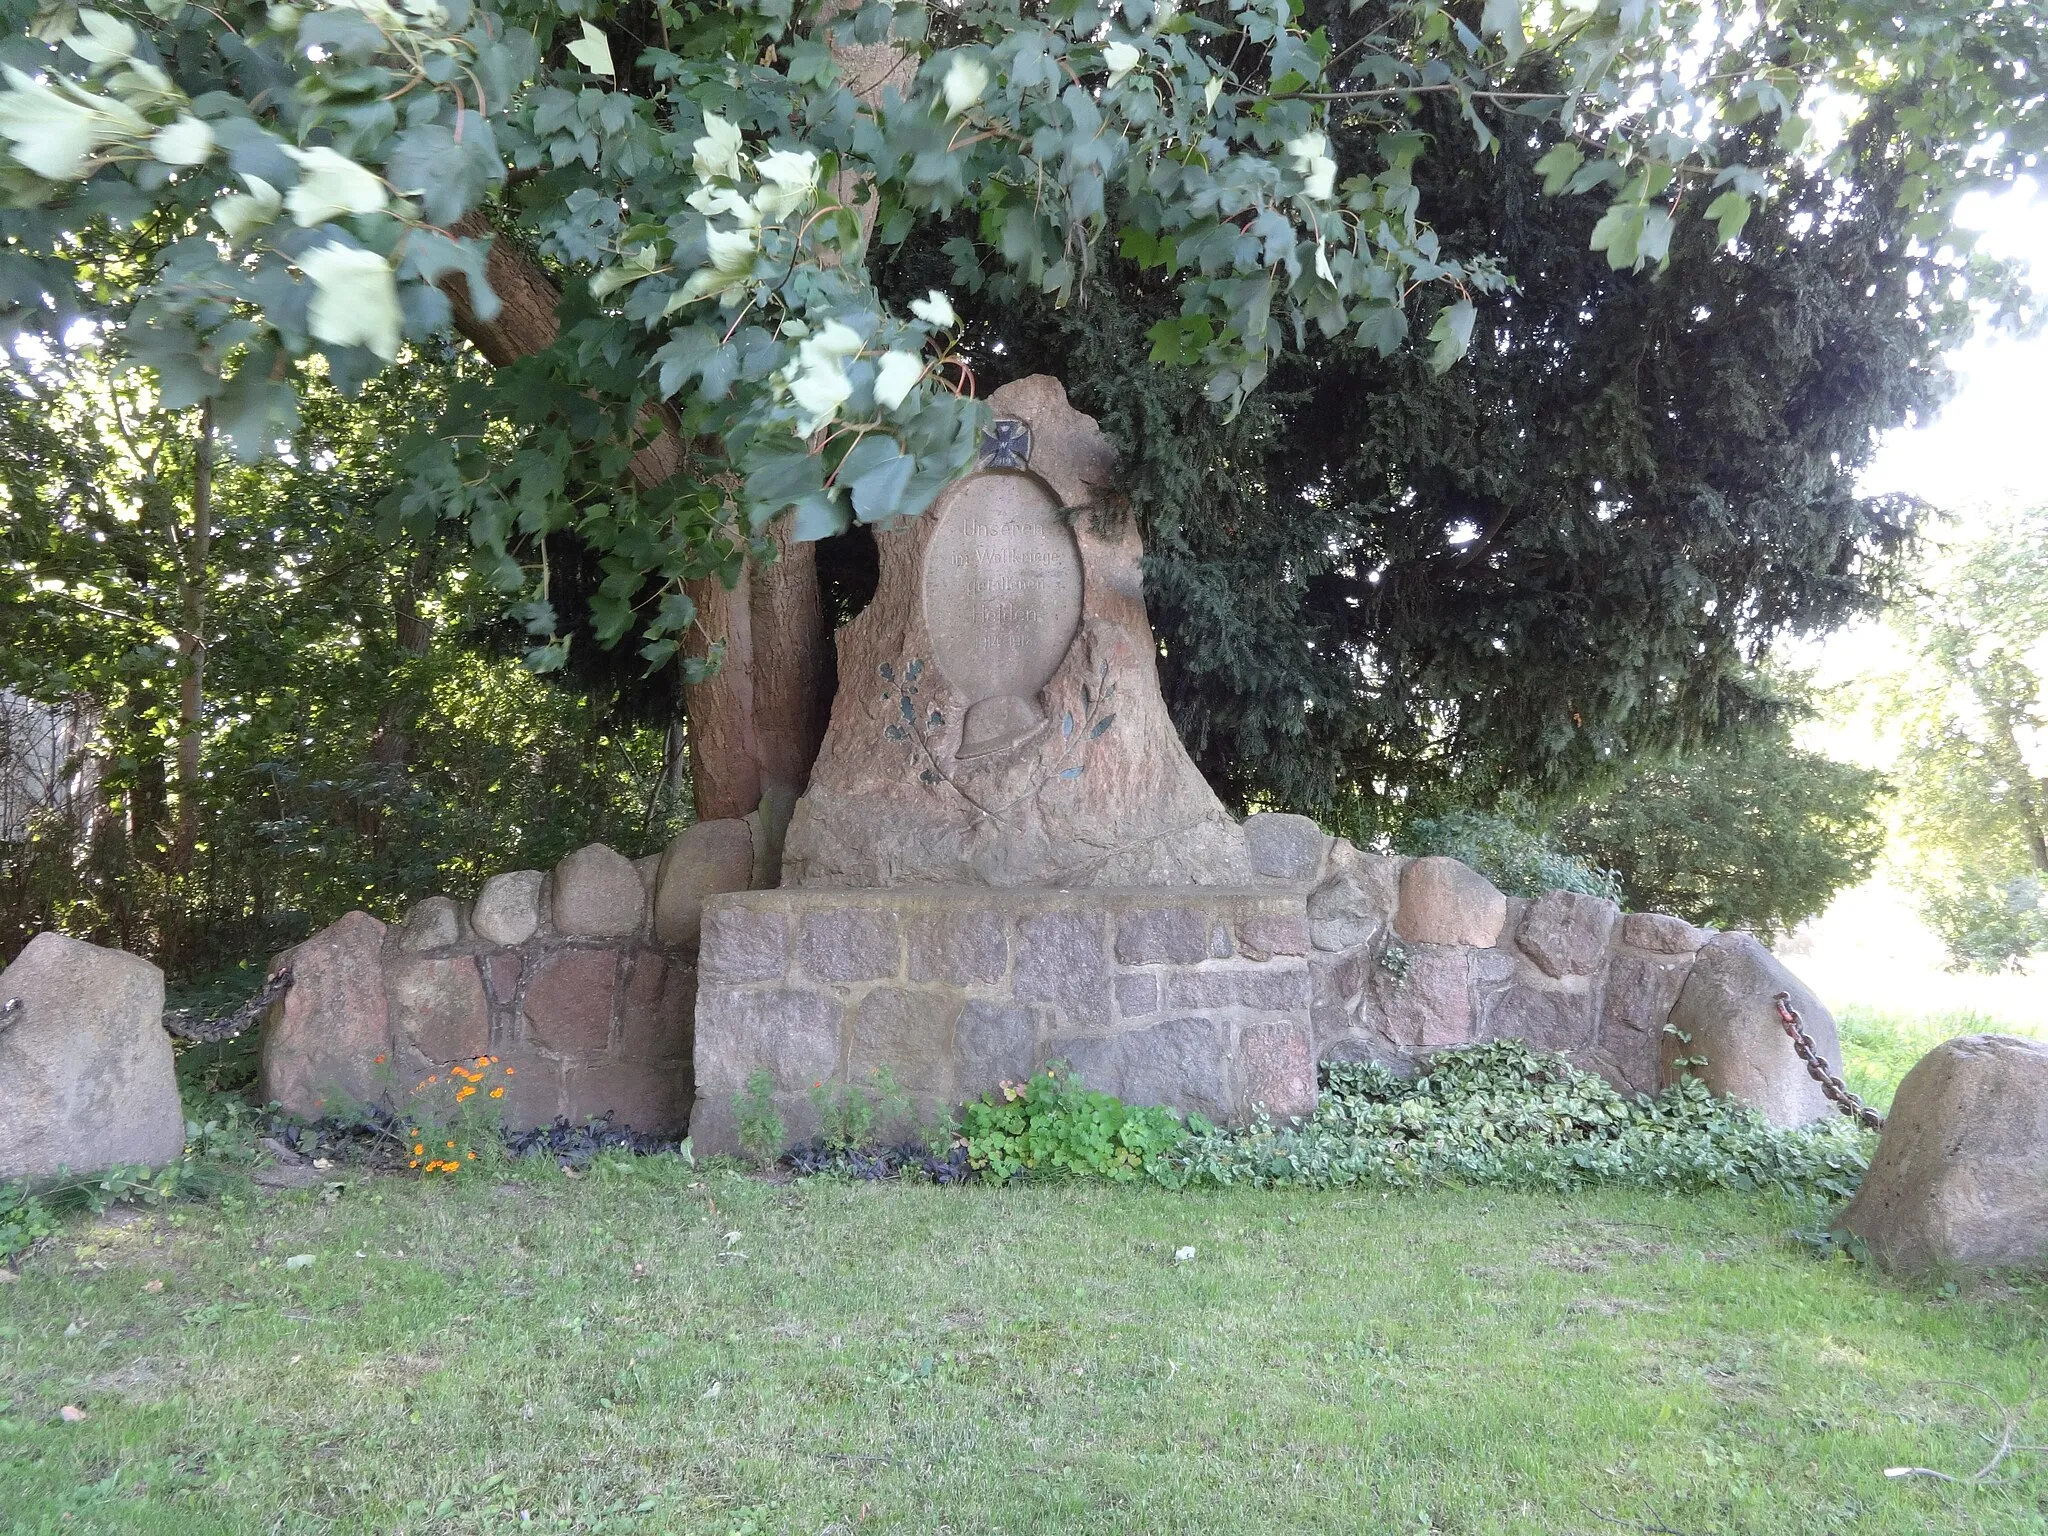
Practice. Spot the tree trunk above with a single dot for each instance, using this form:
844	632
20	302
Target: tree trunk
757	721
192	645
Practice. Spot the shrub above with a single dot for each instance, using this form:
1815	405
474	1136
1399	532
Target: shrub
1051	1121
1520	862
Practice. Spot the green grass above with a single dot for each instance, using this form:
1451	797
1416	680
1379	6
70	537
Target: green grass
1881	1046
662	1349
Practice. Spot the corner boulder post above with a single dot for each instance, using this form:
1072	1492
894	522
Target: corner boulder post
87	1080
1960	1179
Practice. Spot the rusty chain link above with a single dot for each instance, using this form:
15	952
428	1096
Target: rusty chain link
183	1022
1817	1067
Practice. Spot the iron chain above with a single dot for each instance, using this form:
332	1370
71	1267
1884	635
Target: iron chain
1817	1067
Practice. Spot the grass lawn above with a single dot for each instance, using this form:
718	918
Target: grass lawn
661	1349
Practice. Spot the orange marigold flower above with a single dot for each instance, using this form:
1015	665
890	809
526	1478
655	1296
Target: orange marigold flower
510	1073
472	1157
418	1150
379	1060
464	1093
414	1163
497	1093
451	1144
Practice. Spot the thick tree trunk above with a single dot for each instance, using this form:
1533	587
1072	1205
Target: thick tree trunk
757	721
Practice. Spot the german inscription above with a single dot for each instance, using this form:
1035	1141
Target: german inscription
1002	603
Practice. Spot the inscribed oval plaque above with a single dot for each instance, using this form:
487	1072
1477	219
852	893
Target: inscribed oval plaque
1002	602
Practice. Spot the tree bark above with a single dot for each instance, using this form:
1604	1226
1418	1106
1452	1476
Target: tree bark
758	719
193	552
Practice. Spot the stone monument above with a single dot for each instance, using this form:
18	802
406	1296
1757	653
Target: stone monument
999	720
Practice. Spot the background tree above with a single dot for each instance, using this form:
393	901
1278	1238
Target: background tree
724	356
1973	771
366	731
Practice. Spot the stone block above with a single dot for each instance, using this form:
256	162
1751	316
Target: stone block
507	909
1567	933
569	1000
1337	993
703	860
849	944
1137	994
996	1043
1357	899
1060	960
962	947
1261	934
1639	994
596	893
1182	1064
438	1007
792	1032
1627	1060
1725	1015
655	1008
1661	934
910	1033
1429	1006
1276	1061
1164	936
741	944
653	1099
1960	1177
502	972
1285	847
714	1123
435	923
1276	986
533	1090
1444	902
1548	1018
86	1075
320	1041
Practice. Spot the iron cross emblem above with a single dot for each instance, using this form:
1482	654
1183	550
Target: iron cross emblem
1005	444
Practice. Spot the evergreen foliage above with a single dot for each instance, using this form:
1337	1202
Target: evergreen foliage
1383	590
1750	833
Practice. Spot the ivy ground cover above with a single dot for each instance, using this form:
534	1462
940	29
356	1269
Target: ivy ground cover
661	1348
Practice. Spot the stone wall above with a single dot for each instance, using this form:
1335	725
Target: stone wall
1197	997
1410	956
581	980
1214	1000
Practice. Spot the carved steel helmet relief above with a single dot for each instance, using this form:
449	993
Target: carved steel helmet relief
1002	593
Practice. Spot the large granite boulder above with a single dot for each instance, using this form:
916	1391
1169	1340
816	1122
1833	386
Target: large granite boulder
596	893
1286	847
998	719
321	1042
1724	1029
701	860
507	909
1567	933
1961	1174
86	1075
1445	902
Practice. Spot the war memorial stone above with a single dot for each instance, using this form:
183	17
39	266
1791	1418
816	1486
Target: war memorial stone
1005	858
